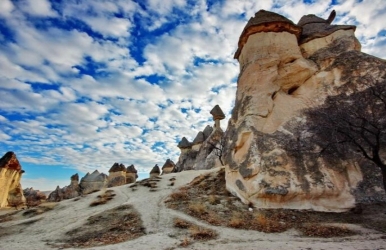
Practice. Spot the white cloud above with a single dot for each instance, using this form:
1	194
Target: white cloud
37	7
6	7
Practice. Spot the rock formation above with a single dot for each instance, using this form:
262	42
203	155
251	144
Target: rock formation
117	175
33	197
93	182
131	174
67	192
168	167
285	69
10	176
206	149
155	171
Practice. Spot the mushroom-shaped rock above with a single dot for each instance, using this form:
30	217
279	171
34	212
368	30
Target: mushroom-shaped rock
217	113
155	171
207	131
199	138
184	143
131	174
266	21
168	167
117	167
316	27
75	177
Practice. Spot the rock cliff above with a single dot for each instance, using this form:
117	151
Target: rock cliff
67	192
286	69
10	176
93	182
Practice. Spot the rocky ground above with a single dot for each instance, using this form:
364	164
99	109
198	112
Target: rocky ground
188	210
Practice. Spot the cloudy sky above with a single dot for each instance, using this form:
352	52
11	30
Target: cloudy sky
84	84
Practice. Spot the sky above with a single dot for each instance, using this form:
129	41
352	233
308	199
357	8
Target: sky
84	84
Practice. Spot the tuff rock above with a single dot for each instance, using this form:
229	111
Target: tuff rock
282	73
168	167
93	182
67	192
117	175
155	171
10	176
206	149
131	174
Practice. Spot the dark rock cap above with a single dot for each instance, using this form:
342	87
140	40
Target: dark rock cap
10	161
75	177
169	164
184	143
131	169
316	27
199	138
266	21
155	170
217	113
207	131
117	167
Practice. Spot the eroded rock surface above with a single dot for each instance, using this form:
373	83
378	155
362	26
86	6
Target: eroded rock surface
155	171
67	192
168	167
93	182
278	80
10	176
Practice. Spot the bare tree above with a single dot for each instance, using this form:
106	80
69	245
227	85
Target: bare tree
349	126
219	148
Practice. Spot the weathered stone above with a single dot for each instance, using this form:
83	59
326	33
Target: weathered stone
199	138
155	171
117	175
217	113
116	167
278	80
93	182
207	131
184	143
67	192
10	176
168	167
131	174
266	21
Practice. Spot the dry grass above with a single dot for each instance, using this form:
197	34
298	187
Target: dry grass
112	226
201	233
103	198
207	199
325	231
180	223
7	216
185	242
37	210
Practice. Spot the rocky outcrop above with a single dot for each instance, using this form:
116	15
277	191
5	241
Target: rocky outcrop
155	171
168	167
67	192
117	175
11	171
285	69
131	174
206	149
93	182
33	197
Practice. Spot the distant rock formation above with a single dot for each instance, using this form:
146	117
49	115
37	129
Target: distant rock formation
67	192
206	149
285	69
155	171
168	167
10	176
131	174
93	182
33	197
117	175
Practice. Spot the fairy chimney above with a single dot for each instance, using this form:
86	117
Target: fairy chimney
218	115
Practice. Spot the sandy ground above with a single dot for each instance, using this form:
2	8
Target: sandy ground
158	222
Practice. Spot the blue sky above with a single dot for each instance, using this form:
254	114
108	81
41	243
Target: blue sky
84	84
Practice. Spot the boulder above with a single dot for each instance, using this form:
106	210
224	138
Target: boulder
11	172
93	182
280	79
168	167
155	171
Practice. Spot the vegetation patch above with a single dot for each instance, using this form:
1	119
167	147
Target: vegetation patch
112	226
41	209
103	198
207	199
7	216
